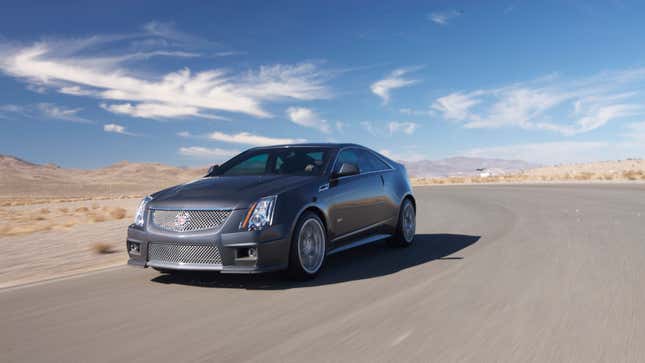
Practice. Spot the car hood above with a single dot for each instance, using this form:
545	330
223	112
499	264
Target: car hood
230	192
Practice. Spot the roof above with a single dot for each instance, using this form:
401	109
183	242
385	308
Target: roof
320	144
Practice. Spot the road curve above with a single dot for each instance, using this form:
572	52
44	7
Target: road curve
498	273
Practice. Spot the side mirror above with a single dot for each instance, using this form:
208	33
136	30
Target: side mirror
347	169
212	170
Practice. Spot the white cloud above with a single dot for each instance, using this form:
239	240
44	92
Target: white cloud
75	91
250	139
67	66
442	17
394	80
455	106
207	153
413	112
541	104
184	134
405	127
61	113
117	129
155	110
548	153
308	118
340	126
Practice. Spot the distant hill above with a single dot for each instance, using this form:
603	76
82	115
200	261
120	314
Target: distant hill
462	166
22	178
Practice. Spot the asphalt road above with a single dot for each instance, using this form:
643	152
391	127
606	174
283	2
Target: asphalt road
497	273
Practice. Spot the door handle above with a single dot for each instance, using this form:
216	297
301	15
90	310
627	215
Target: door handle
382	179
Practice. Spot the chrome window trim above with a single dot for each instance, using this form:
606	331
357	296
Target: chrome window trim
361	173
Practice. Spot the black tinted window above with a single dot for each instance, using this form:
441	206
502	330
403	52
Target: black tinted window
293	161
347	156
370	162
253	165
282	160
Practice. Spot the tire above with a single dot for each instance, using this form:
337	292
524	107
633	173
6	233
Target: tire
308	248
406	226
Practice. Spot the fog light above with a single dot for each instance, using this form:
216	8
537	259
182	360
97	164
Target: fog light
253	252
134	248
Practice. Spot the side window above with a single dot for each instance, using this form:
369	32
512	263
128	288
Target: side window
255	165
370	162
298	162
347	156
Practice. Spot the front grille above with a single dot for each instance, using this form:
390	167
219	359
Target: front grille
188	220
181	253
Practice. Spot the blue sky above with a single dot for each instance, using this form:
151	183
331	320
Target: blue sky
190	83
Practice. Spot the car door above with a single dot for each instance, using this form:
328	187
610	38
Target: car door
381	206
354	197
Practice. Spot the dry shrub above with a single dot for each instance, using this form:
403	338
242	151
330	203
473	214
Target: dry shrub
118	213
44	211
95	206
64	210
103	248
82	209
584	176
633	174
96	218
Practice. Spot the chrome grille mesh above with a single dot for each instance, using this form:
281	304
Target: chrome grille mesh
188	220
181	253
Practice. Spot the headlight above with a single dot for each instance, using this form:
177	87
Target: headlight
138	218
260	214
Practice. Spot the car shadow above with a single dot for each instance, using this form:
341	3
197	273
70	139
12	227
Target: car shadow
360	263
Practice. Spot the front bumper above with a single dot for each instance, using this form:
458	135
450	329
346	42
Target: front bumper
271	246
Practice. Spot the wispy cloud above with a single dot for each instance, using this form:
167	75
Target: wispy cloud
116	129
369	127
542	104
389	128
75	67
250	139
394	80
406	127
156	110
308	118
44	111
207	153
443	17
51	110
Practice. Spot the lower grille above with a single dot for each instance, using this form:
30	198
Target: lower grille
181	253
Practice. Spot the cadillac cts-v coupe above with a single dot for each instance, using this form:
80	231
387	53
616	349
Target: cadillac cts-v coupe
275	208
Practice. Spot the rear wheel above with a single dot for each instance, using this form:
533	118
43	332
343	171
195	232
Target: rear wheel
308	247
406	228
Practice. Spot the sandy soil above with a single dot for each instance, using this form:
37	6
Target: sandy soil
75	237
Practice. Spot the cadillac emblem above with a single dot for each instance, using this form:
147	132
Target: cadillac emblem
182	220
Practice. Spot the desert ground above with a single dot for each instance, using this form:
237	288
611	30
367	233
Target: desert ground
57	222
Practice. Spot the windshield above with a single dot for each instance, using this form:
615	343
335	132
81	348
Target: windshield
281	161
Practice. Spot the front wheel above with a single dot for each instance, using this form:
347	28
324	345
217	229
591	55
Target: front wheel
406	228
308	247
